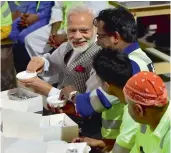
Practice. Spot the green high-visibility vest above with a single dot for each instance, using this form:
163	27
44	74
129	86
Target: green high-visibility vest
156	141
6	18
111	121
128	130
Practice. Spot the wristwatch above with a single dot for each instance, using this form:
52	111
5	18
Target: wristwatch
72	95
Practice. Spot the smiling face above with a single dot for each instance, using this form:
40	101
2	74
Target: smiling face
104	39
81	32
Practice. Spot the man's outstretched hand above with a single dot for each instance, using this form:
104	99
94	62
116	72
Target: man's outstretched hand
69	109
37	85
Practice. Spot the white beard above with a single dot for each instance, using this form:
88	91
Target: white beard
85	47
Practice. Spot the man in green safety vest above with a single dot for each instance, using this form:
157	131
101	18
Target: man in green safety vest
6	19
148	104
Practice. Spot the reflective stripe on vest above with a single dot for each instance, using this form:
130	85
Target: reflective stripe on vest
6	12
6	18
162	141
111	124
118	148
38	5
2	3
111	121
143	128
109	133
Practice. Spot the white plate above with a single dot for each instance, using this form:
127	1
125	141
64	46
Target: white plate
55	102
25	75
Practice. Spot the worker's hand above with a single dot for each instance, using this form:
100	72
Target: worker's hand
37	85
78	139
55	40
24	16
90	141
69	108
65	92
108	145
31	18
22	22
94	142
36	64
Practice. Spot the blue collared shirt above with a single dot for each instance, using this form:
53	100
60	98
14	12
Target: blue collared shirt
129	50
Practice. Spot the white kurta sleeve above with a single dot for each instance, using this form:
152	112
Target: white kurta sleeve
46	65
55	61
53	92
56	13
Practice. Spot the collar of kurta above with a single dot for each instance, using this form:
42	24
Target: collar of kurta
132	47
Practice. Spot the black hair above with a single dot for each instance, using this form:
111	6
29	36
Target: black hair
118	20
113	67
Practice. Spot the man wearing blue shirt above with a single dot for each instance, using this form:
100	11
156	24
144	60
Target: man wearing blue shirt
35	15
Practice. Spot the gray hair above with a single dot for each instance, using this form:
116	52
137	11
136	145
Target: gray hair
81	8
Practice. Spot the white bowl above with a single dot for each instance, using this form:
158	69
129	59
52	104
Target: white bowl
55	102
25	75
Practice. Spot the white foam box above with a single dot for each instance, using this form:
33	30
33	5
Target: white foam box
64	148
24	125
33	126
0	120
34	104
53	130
17	145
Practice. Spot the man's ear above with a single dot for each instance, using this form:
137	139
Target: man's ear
139	110
116	37
107	85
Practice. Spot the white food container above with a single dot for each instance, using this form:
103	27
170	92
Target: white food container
55	102
34	126
21	99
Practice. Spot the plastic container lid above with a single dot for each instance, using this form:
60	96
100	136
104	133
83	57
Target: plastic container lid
55	102
25	75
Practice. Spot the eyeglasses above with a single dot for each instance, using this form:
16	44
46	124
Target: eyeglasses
102	35
81	30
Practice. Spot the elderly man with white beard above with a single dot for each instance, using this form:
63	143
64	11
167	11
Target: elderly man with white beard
72	61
